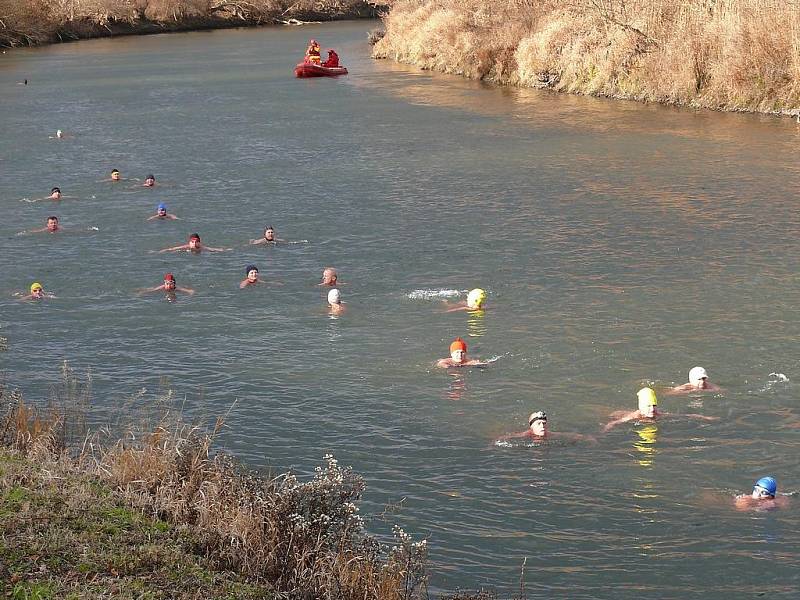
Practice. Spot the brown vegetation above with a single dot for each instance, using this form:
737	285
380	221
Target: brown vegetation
41	21
719	54
300	539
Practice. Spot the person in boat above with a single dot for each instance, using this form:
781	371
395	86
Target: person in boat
475	301
332	61
335	304
538	430
329	277
162	214
194	245
269	237
313	53
170	286
458	357
763	497
648	411
698	382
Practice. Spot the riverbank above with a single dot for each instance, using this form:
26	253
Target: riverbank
732	55
35	22
153	512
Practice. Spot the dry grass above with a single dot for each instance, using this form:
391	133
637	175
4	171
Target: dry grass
304	539
40	21
719	54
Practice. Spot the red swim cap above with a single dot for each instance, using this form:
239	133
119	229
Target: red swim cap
458	344
169	277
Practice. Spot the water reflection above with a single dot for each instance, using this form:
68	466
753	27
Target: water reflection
645	445
457	386
476	323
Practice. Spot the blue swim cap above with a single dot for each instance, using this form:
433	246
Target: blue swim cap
767	484
162	206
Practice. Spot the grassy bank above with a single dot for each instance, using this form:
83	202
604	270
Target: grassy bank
31	22
153	512
739	55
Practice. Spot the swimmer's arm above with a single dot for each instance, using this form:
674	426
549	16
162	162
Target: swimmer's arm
149	290
258	242
443	363
212	249
273	282
456	309
152	218
701	417
513	436
172	217
575	437
243	284
476	363
189	291
625	419
174	248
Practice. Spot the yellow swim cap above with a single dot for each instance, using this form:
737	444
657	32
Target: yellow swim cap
36	286
647	396
476	298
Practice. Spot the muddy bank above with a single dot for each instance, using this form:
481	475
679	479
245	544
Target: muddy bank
734	55
35	22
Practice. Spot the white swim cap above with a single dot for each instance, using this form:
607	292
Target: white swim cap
476	298
334	296
696	374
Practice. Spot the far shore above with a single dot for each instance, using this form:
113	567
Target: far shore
731	55
26	23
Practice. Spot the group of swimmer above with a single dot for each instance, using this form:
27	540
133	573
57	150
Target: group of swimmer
193	245
764	494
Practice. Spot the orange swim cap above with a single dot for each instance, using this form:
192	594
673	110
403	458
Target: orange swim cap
458	344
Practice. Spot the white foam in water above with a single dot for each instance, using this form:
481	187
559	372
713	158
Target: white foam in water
432	294
778	378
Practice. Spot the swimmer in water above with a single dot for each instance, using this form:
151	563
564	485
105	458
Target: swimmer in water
329	277
269	237
476	300
51	227
458	357
252	277
648	411
539	431
698	382
170	286
763	497
37	293
194	246
335	304
162	214
149	181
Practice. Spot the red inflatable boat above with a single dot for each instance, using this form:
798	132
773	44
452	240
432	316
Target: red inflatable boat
308	69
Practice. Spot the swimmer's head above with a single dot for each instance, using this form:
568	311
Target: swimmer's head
252	272
59	133
161	209
476	298
115	174
150	180
766	487
538	422
313	42
37	290
55	192
329	276
169	281
698	376
52	223
458	350
194	240
647	401
269	233
334	296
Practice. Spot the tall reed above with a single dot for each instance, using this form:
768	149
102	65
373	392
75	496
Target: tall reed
719	54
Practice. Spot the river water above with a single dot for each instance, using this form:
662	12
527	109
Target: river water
620	244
